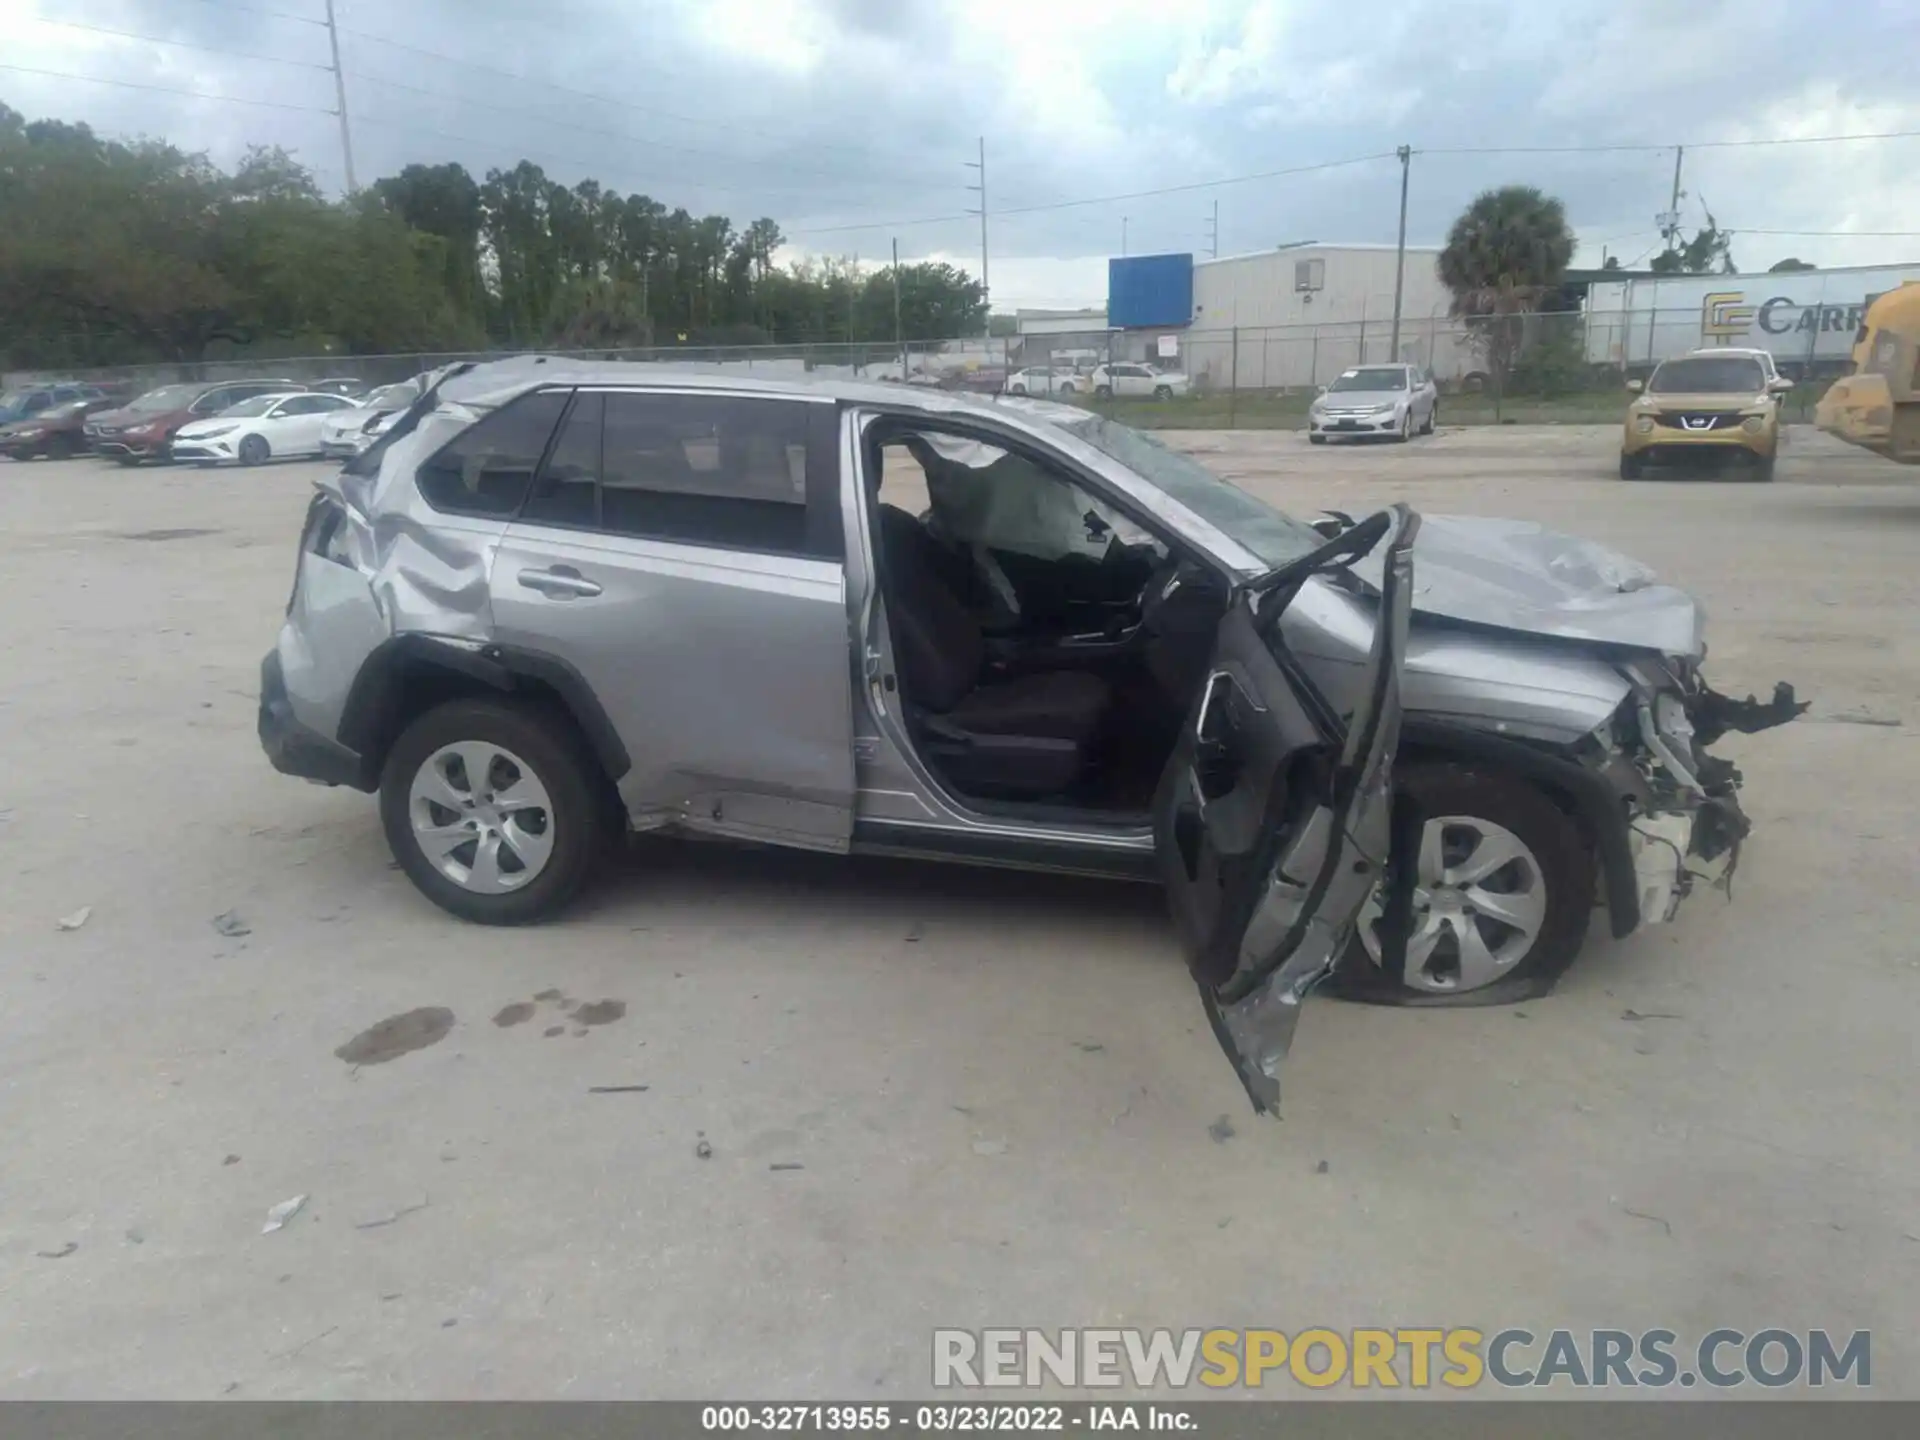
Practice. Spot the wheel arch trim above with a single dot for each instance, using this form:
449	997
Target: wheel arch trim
376	708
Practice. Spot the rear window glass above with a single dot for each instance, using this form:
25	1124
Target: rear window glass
487	468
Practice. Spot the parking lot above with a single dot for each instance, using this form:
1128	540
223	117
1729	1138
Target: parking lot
932	1096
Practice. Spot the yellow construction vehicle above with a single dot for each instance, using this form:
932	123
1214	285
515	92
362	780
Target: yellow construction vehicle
1878	406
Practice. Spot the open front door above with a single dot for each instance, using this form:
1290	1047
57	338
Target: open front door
1273	821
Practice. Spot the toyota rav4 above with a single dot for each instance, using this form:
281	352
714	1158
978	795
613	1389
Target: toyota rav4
560	599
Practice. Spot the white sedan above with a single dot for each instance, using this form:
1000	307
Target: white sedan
267	427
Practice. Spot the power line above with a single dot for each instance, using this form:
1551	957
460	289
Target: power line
1739	230
1653	148
620	135
1107	199
256	10
514	75
176	44
165	89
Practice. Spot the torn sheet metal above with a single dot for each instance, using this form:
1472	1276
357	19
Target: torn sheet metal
1516	575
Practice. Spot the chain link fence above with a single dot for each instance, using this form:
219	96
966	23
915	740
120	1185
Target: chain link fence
1567	366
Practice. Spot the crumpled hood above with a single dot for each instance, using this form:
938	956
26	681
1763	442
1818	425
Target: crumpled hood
1516	575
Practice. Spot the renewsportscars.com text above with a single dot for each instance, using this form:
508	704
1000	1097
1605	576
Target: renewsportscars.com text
1458	1358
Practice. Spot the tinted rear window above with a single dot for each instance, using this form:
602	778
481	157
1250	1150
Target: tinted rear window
487	468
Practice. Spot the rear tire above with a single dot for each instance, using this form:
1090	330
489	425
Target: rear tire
1554	866
1163	392
254	450
569	822
1632	467
1105	392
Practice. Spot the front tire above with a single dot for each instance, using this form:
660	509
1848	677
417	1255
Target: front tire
1313	439
494	810
1406	427
1632	467
1762	469
1163	392
1504	891
1105	392
254	450
1433	419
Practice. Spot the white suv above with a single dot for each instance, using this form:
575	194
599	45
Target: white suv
1127	379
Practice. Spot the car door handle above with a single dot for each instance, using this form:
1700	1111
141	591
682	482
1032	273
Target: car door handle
560	583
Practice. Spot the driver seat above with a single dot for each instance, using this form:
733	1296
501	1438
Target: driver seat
1020	736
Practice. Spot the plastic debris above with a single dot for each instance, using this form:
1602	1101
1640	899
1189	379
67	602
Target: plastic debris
989	1147
60	1254
702	1150
76	919
280	1214
229	923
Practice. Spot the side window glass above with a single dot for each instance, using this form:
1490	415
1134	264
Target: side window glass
487	468
567	492
708	470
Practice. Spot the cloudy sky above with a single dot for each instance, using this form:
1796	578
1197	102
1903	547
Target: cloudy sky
851	121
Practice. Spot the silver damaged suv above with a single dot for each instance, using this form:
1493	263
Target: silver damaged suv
558	600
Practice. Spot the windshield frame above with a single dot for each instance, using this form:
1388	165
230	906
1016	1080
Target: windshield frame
1755	368
1403	385
182	394
372	401
239	411
1265	531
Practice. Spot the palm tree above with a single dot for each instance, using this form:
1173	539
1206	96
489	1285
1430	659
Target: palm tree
1509	248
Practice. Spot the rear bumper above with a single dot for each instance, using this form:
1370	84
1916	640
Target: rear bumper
295	749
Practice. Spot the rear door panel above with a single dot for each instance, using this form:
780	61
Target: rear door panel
1273	823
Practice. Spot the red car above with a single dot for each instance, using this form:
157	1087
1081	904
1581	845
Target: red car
56	432
143	430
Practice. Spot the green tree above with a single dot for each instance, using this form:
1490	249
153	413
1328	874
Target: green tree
1709	250
1790	266
1508	250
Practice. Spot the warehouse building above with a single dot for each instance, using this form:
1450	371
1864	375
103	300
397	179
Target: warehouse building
1288	318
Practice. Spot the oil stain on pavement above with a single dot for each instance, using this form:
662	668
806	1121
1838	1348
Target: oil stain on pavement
397	1035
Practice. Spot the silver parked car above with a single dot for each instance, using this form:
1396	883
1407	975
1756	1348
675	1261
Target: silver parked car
348	432
1399	401
557	598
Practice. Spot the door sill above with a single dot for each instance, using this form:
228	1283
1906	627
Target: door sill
1110	853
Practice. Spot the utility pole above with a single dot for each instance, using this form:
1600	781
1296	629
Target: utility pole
986	285
1405	152
340	97
1670	222
899	336
1123	235
1213	232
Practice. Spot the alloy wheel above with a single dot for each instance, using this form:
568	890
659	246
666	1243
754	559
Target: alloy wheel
481	817
1479	902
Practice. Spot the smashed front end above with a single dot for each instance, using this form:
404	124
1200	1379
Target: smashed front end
1684	822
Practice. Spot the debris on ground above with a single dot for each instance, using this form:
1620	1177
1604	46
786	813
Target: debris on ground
989	1147
549	995
1631	1014
1221	1130
914	932
616	1089
392	1216
514	1014
600	1012
134	1237
397	1035
1665	1225
1088	1047
1321	1168
231	1160
787	1165
229	924
75	920
449	1322
702	1150
280	1214
60	1254
553	1030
